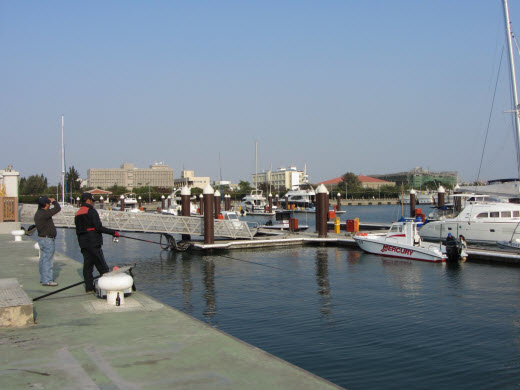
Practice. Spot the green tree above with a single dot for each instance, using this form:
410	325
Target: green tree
350	183
33	185
71	178
244	186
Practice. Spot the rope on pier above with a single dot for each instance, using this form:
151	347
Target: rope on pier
172	244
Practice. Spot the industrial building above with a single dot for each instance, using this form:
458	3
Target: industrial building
418	177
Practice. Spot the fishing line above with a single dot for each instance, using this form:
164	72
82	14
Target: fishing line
253	262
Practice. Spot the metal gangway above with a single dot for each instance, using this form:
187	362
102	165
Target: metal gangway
142	222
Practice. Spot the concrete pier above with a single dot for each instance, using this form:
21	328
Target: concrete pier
77	341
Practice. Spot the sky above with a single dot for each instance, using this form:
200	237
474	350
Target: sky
369	87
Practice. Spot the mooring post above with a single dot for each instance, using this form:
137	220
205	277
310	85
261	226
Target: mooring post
227	202
185	202
217	203
101	202
270	200
412	203
122	199
201	207
277	201
286	202
209	222
162	202
169	201
457	200
77	201
440	196
185	208
140	202
322	208
338	202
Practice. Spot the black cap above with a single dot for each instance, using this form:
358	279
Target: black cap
43	201
85	196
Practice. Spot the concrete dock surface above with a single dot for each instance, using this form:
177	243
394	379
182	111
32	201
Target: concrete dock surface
80	342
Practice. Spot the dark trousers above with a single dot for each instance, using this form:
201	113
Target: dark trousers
93	256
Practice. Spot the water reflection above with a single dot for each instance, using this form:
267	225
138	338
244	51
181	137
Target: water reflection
404	274
322	280
187	286
208	271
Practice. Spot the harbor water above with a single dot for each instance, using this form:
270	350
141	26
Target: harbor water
361	321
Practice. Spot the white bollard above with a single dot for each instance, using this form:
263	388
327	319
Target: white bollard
18	235
115	285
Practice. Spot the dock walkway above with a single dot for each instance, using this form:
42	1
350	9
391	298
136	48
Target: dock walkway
79	342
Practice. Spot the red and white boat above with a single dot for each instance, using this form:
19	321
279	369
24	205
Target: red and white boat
402	240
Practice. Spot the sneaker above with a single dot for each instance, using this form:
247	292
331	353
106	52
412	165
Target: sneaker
51	284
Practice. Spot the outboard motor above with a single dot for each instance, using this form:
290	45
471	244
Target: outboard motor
453	249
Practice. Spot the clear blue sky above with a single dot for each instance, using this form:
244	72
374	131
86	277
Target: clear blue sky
361	86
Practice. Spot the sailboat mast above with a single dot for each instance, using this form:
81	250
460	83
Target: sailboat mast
256	164
62	161
513	83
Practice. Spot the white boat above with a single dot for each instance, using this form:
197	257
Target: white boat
254	202
401	240
131	204
487	222
478	222
282	222
302	196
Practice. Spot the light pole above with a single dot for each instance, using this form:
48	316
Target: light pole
149	198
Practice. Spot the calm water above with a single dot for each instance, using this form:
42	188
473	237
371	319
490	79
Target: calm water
358	320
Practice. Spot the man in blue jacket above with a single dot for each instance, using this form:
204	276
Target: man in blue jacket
89	231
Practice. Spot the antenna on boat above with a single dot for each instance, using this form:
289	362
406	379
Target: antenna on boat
62	161
513	83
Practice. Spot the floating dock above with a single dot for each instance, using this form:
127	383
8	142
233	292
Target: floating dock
77	341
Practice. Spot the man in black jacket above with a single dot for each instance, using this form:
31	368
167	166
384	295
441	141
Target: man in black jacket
89	231
46	235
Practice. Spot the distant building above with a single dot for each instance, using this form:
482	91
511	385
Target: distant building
9	182
366	182
418	177
225	184
158	175
188	179
283	177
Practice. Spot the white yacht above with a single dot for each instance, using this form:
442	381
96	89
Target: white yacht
253	202
478	222
302	196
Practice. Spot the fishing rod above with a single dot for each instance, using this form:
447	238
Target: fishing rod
114	272
141	239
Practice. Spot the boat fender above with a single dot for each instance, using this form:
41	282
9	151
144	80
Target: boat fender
361	234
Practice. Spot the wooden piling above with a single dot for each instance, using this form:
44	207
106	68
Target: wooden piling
122	202
217	203
440	196
185	208
270	202
322	208
209	222
201	206
412	203
338	202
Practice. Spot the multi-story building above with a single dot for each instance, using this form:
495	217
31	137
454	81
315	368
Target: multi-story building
418	177
284	177
188	179
158	175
